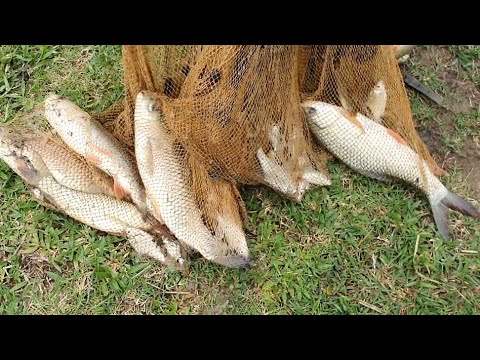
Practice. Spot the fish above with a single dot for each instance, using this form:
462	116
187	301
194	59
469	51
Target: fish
377	101
275	138
309	176
166	184
222	208
65	166
99	211
380	153
277	177
88	138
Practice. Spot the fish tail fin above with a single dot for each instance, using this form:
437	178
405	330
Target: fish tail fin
455	202
145	244
317	178
441	208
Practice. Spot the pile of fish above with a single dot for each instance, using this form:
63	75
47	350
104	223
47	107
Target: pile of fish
144	198
148	199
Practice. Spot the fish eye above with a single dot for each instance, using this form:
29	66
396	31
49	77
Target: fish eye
311	110
152	107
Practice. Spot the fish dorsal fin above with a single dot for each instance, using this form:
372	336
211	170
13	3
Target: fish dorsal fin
352	118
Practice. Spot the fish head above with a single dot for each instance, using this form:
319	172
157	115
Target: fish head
65	116
176	256
379	88
320	114
10	141
147	107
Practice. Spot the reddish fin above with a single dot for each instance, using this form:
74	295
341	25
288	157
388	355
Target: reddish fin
93	159
437	170
120	192
397	137
101	151
352	118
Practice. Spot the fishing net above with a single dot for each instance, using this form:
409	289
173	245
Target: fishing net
234	112
223	103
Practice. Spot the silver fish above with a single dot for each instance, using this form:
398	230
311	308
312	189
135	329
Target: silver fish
170	253
277	177
380	153
99	211
89	139
166	186
65	166
222	212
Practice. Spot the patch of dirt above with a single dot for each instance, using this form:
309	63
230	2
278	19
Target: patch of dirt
470	163
35	266
461	97
430	134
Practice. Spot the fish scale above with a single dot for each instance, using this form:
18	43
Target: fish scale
110	215
97	210
60	163
375	151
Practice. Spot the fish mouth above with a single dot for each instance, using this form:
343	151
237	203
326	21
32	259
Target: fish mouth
151	101
145	95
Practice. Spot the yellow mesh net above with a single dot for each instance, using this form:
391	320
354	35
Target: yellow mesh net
222	102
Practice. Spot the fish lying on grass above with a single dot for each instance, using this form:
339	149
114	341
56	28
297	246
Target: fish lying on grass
161	169
100	211
65	166
380	153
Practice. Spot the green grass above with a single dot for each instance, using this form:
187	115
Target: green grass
357	247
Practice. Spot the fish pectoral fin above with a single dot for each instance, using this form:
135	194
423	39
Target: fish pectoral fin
438	171
93	159
397	137
353	119
120	192
373	175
